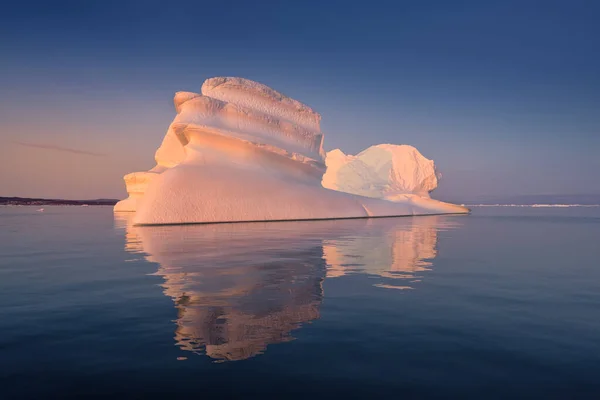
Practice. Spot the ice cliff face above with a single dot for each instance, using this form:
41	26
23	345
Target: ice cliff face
384	171
170	153
241	151
136	184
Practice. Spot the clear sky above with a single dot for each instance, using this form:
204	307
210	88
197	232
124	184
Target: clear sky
503	95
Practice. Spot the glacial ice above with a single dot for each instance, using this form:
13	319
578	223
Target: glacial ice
136	184
170	153
241	151
384	171
256	96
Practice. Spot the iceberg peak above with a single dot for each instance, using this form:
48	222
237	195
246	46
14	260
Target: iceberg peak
182	97
257	96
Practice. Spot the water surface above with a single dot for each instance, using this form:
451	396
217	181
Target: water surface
503	302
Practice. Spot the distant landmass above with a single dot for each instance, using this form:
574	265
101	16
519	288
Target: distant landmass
566	199
25	201
550	199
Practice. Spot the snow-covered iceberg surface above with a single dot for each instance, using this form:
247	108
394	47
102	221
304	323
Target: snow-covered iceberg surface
240	151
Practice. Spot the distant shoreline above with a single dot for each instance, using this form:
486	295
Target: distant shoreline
25	201
28	201
532	205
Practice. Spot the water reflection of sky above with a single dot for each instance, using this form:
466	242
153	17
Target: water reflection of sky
238	288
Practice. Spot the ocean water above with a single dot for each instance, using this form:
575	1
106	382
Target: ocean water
504	302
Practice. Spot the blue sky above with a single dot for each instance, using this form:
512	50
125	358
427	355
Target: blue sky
503	95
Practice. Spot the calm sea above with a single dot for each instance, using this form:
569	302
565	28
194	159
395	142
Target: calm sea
501	303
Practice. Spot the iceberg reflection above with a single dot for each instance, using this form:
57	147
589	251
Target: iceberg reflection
240	287
397	249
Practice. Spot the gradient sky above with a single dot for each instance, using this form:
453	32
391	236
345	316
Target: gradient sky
503	95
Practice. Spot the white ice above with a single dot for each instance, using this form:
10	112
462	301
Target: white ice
241	151
384	171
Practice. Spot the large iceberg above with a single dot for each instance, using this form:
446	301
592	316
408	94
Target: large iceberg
241	151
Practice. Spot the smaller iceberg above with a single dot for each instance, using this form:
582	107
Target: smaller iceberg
383	171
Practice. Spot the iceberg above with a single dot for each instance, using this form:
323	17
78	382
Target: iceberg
241	151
